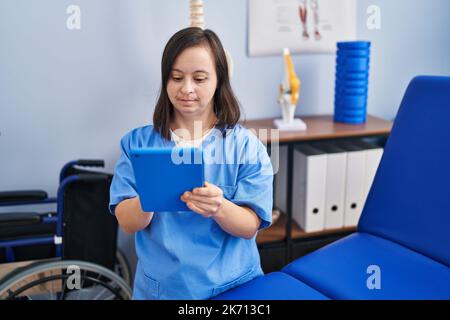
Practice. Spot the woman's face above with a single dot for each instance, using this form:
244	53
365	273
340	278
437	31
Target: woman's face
193	81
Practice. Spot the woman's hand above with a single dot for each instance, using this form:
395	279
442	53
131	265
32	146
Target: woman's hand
206	201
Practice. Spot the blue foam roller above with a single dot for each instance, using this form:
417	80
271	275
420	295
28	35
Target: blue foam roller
360	45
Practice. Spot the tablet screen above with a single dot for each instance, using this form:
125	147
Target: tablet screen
164	174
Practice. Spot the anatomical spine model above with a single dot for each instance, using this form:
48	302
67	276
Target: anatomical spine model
197	14
197	19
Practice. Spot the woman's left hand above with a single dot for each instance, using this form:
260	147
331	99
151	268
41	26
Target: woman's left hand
206	201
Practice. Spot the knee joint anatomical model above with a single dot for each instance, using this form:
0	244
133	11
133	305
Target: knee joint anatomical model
288	94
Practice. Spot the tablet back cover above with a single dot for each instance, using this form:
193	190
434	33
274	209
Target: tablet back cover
164	174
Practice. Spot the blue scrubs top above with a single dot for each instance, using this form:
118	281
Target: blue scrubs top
182	255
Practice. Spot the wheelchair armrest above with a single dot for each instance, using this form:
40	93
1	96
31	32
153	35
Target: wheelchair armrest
19	217
23	195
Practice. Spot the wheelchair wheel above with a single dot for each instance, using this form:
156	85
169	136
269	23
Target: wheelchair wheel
64	280
122	267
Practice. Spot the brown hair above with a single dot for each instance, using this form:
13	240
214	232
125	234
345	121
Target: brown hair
226	106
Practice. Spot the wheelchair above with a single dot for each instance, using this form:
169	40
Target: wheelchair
68	254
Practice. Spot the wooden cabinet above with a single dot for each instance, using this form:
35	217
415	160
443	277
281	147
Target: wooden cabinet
285	240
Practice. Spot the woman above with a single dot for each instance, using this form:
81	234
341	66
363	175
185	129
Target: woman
200	253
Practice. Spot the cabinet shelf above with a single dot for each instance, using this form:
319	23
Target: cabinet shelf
323	127
277	232
285	237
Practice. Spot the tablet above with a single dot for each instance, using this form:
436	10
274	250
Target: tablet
164	174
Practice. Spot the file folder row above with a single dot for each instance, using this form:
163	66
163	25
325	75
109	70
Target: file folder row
331	182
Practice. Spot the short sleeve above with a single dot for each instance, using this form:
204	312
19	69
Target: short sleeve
123	185
255	181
